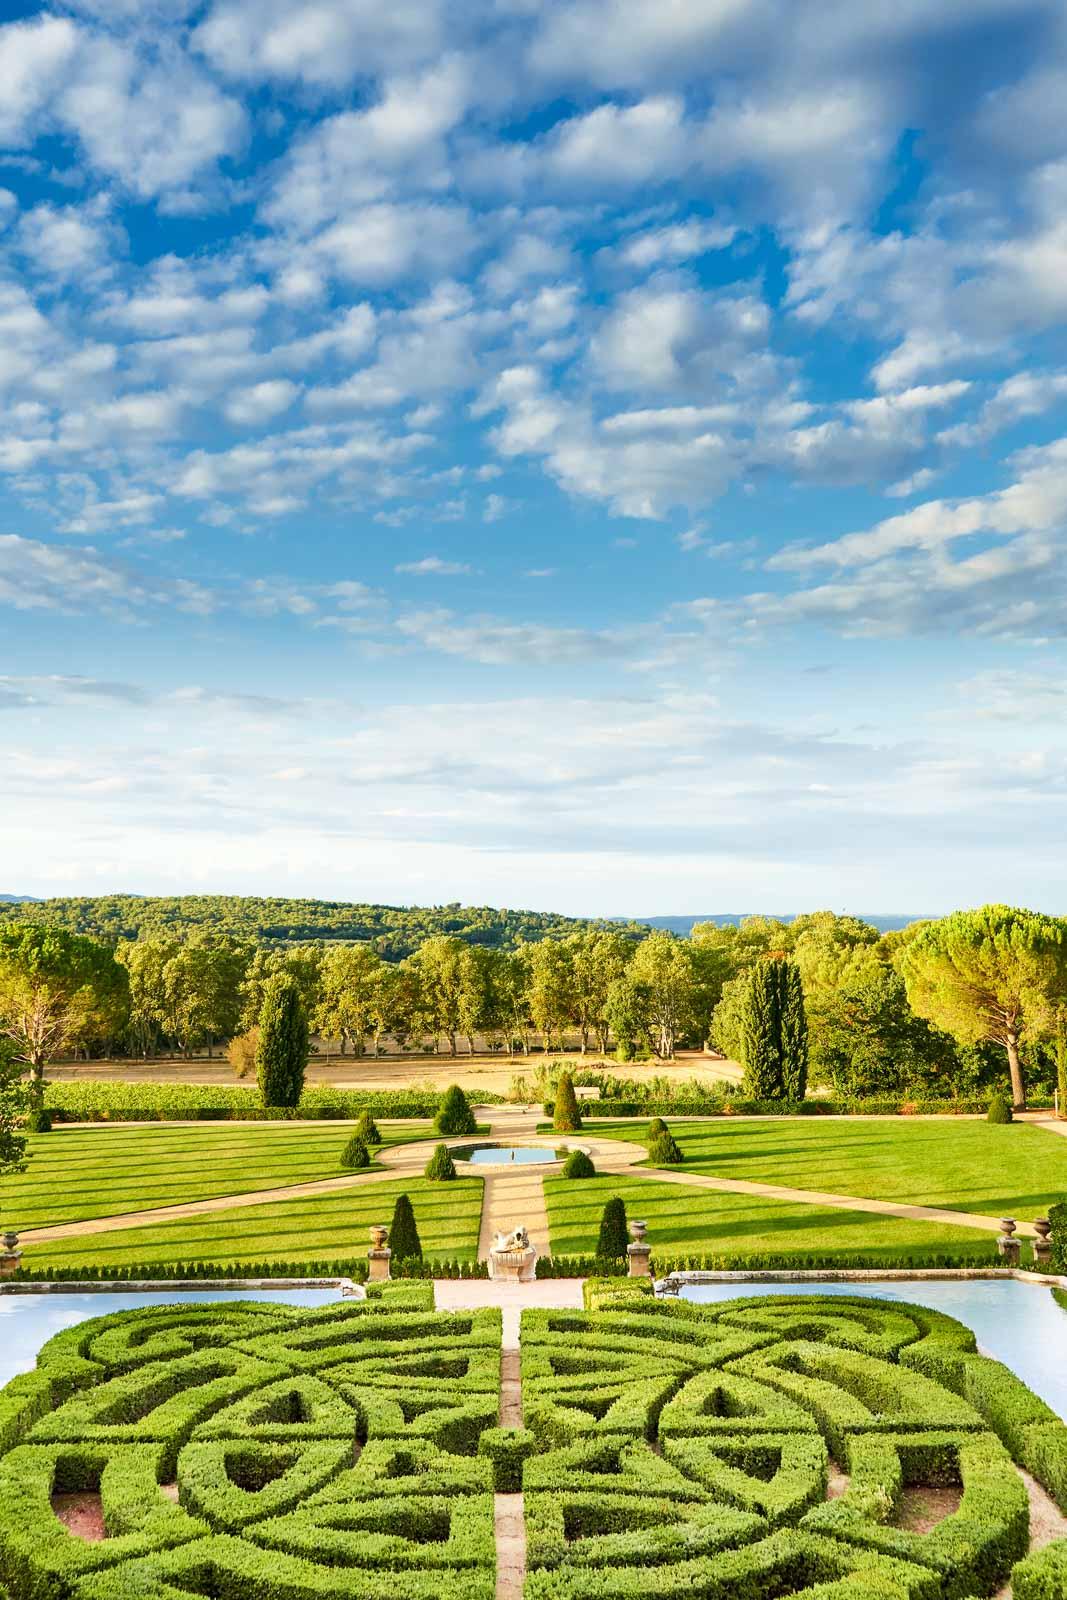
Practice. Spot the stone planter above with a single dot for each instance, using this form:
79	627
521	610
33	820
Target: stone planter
512	1258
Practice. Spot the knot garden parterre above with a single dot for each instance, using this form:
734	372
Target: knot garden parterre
256	1451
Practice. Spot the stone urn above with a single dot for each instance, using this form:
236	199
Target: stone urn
512	1258
379	1255
10	1254
638	1229
639	1253
379	1235
1007	1245
1043	1243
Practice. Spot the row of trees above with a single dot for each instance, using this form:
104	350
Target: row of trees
940	1008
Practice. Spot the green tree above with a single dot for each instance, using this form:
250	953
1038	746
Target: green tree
454	1115
551	992
404	1238
566	1117
349	980
774	1032
58	991
282	1052
997	974
202	990
626	1009
440	1168
446	970
662	968
1061	1066
145	961
613	1239
14	1108
597	960
866	1040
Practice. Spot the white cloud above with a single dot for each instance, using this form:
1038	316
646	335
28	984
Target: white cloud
435	567
678	242
35	56
324	43
262	402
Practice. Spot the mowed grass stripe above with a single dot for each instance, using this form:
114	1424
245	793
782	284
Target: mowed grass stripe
702	1222
333	1226
75	1174
1017	1170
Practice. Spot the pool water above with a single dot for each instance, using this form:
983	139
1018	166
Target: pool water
1017	1323
28	1320
497	1155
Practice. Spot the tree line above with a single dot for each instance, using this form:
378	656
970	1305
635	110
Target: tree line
393	931
939	1009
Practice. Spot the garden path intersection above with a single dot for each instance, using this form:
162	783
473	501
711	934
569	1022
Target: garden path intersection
472	1440
511	1198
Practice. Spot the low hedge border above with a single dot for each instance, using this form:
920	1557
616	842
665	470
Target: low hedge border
736	1106
185	1102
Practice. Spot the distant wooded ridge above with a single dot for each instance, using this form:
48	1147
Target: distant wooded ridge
733	919
394	931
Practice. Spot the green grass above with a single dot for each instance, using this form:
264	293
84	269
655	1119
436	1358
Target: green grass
326	1227
75	1173
1015	1171
1060	1297
702	1222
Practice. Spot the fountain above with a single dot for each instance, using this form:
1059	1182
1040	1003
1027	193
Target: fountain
512	1258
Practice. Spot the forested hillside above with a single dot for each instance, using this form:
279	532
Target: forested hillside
394	931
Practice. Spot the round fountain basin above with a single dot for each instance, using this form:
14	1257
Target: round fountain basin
509	1155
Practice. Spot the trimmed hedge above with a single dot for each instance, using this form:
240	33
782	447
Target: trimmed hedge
315	1453
187	1102
717	1105
683	1449
1058	1217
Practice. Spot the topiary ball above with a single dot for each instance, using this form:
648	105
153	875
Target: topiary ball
440	1168
355	1153
664	1151
999	1110
578	1165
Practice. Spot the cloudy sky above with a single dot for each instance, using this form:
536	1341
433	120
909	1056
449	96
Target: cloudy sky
582	454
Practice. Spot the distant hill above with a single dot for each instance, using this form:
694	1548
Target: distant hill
15	899
395	931
727	919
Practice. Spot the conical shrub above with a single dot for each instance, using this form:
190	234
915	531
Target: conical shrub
454	1115
664	1151
999	1110
440	1168
367	1129
655	1128
578	1165
403	1234
613	1237
355	1153
566	1118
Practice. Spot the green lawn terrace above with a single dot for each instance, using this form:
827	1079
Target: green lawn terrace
955	1163
830	1449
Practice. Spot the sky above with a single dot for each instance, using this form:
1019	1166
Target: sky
592	456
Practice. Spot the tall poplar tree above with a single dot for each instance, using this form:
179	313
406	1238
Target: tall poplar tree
282	1052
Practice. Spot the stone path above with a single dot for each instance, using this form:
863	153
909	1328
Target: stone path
513	1299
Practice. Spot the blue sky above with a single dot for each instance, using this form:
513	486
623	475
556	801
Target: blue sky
601	456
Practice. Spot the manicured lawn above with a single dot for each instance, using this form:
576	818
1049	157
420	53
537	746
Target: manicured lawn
1015	1171
701	1222
76	1173
329	1227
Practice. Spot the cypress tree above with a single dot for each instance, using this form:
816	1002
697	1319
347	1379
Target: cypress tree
774	1032
760	1041
793	1023
614	1235
566	1117
404	1235
283	1048
440	1168
454	1114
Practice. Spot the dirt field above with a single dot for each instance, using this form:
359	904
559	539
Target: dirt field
478	1072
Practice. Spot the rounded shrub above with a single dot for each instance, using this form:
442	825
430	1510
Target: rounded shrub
403	1234
614	1235
655	1128
999	1110
454	1114
578	1165
367	1129
440	1168
38	1120
566	1118
355	1153
664	1150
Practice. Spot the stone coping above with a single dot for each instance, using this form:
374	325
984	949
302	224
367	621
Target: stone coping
674	1280
348	1286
